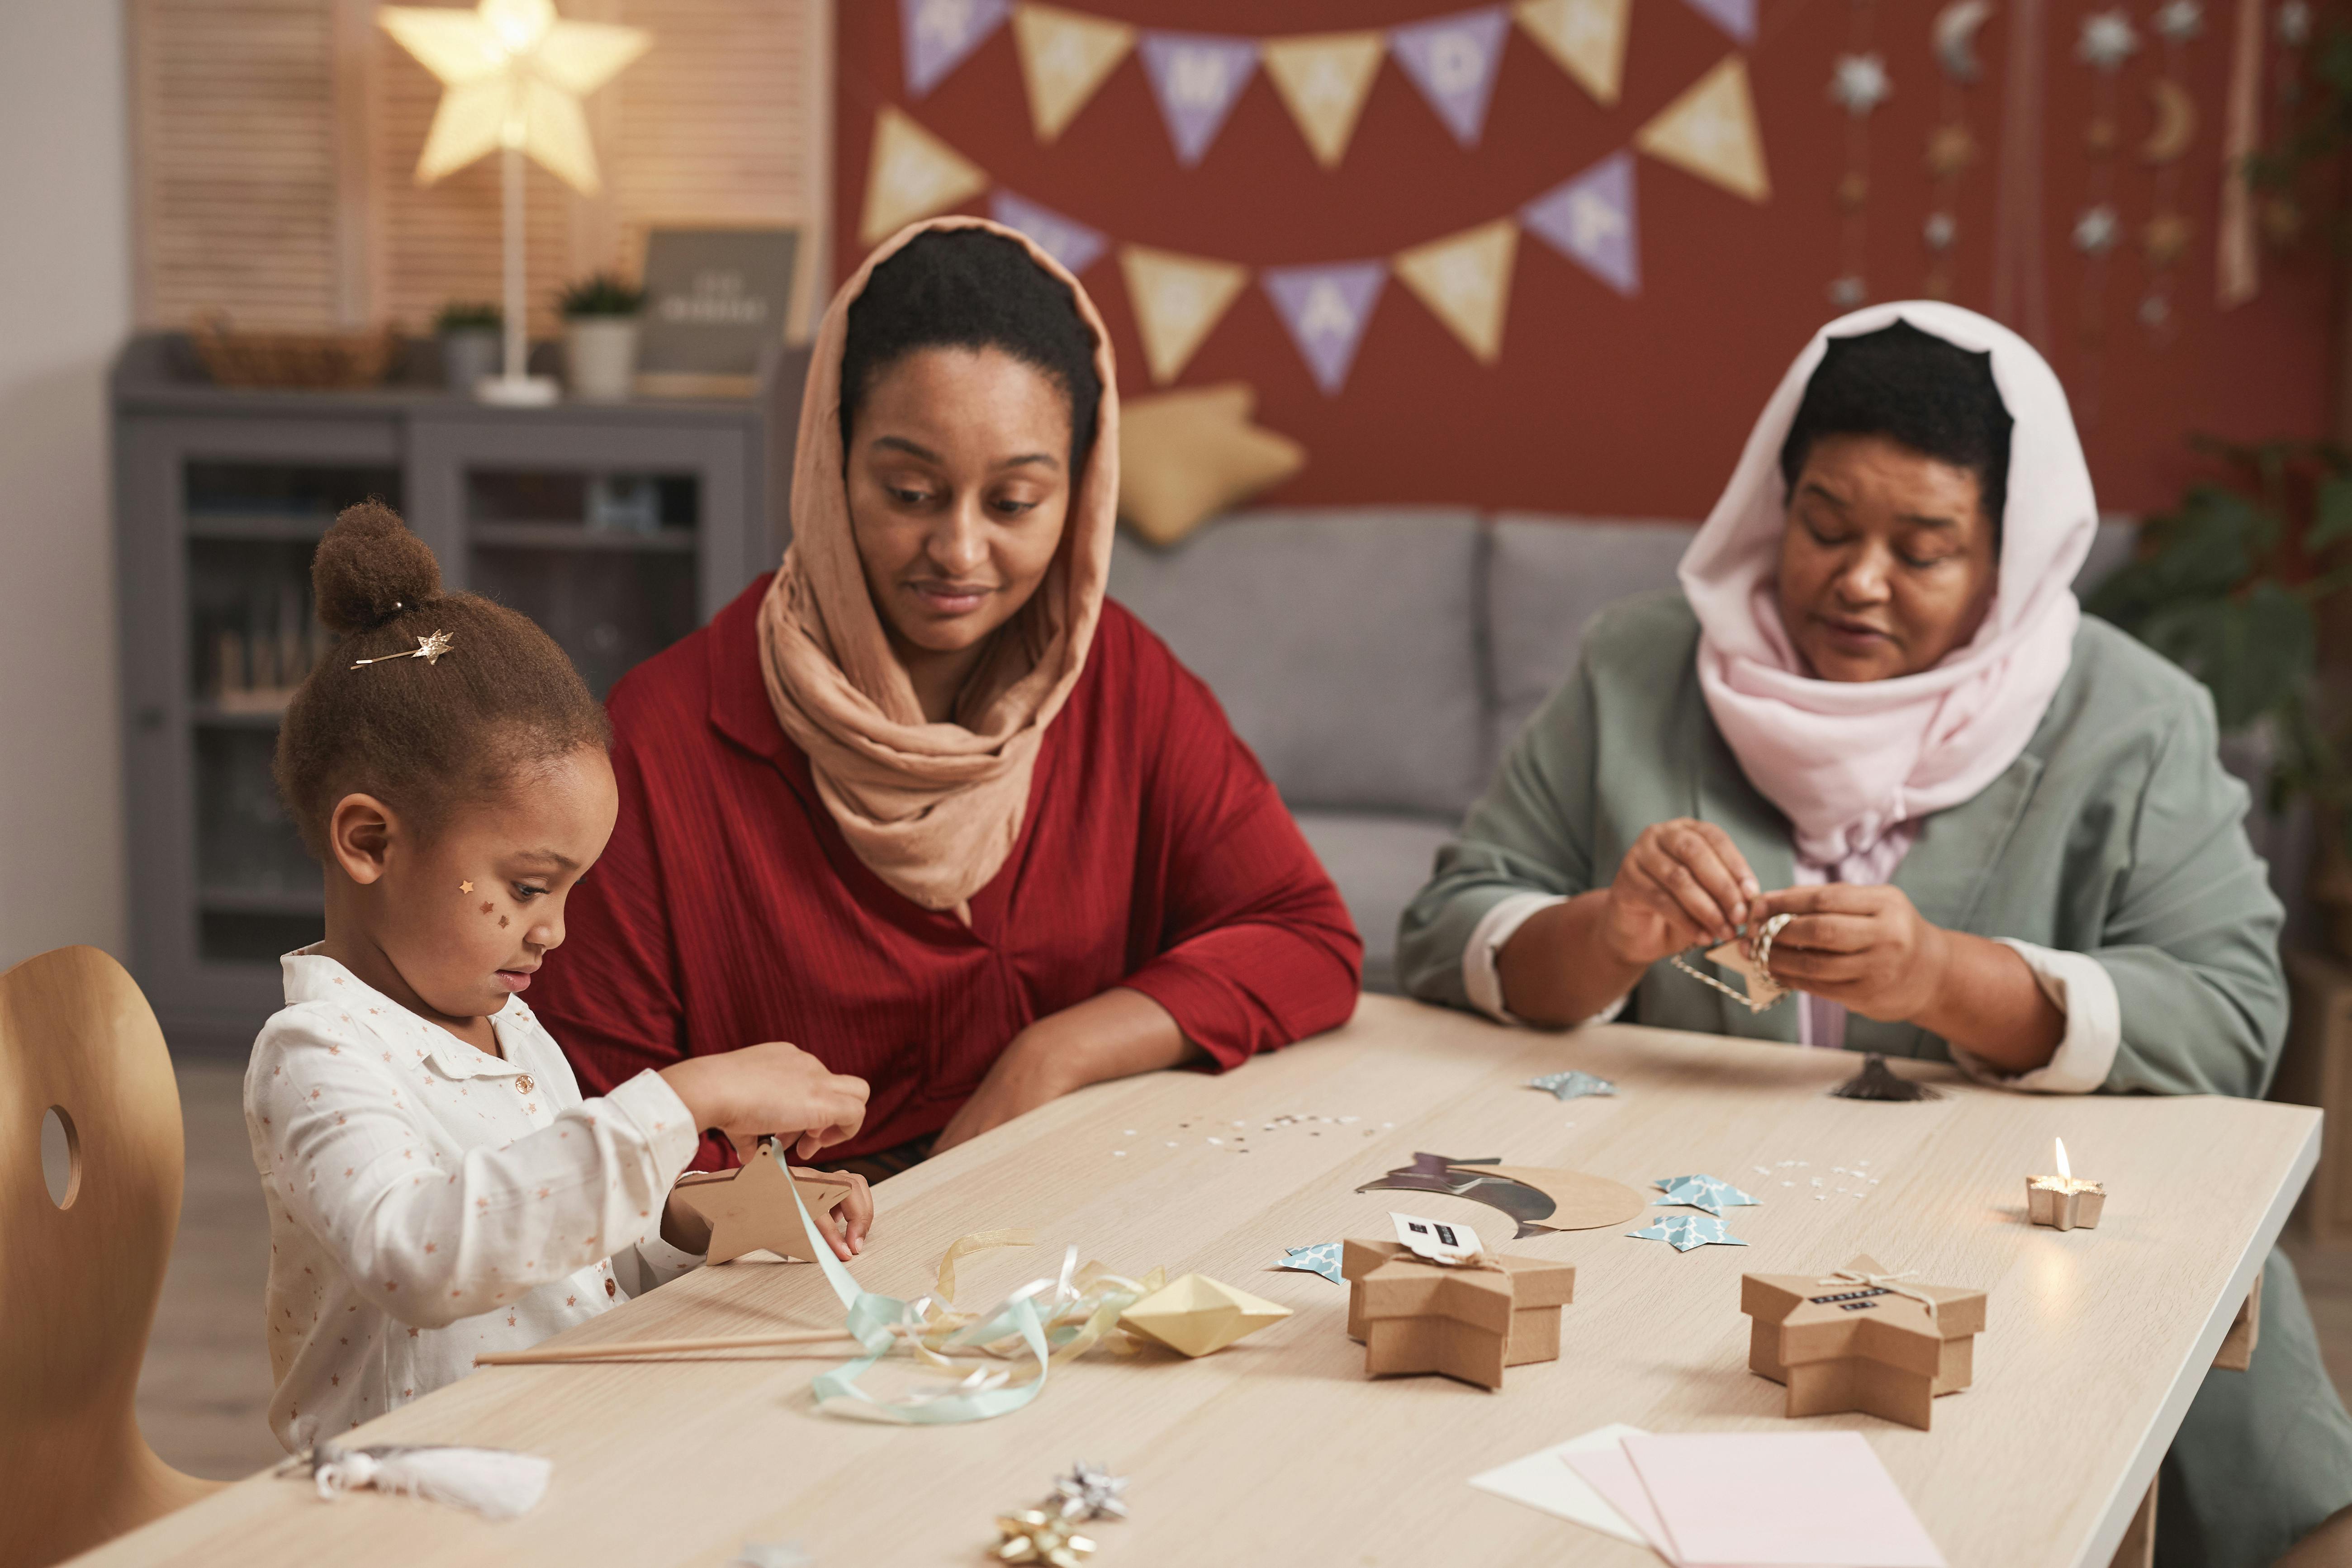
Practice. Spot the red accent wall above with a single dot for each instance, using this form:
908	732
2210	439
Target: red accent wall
1600	405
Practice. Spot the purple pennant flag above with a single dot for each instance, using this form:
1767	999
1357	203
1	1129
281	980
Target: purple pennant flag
1196	76
1590	219
1326	309
1067	240
938	34
1453	61
1736	17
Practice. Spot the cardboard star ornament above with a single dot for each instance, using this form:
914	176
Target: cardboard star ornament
751	1209
1861	1338
1198	1315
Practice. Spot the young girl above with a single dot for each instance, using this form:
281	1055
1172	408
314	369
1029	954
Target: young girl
437	1187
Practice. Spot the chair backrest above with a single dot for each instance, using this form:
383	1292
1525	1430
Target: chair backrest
79	1282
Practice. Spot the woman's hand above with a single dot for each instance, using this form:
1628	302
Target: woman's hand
770	1090
1115	1035
1865	948
1024	1078
1684	882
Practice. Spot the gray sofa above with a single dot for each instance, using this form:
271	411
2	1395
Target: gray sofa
1379	659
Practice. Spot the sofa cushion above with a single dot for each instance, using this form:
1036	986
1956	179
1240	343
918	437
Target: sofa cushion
1547	577
1343	643
1377	863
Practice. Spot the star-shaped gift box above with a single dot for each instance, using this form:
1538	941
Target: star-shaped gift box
1465	1322
1861	1339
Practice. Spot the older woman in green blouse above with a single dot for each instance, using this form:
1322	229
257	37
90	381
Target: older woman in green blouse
1999	830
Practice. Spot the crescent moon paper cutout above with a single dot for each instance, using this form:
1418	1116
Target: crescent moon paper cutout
1567	1199
1955	33
2175	122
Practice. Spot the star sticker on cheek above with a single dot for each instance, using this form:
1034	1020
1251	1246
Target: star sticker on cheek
485	907
465	887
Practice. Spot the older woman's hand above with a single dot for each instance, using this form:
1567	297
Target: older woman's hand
1682	882
1865	948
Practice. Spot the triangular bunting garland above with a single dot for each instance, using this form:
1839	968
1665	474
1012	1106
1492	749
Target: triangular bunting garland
1590	220
937	36
911	174
1176	300
1453	60
1326	309
1066	239
1586	38
1196	76
1710	131
1324	79
1065	57
1466	280
1736	17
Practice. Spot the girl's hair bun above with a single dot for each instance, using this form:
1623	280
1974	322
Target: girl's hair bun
371	568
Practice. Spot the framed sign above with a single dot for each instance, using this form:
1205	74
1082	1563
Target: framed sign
717	300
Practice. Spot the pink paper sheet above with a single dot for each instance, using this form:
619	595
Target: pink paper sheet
1821	1499
1609	1472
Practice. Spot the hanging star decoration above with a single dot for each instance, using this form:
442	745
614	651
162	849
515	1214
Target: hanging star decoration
428	649
2181	20
1951	149
2165	239
1091	1493
1860	83
1573	1085
512	74
1038	1535
2095	230
2107	40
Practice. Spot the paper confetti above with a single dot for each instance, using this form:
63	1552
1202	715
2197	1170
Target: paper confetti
1573	1085
1709	1192
1323	1258
1685	1231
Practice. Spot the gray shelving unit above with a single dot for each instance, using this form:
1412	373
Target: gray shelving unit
618	527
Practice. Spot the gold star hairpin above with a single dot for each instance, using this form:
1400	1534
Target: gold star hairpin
429	650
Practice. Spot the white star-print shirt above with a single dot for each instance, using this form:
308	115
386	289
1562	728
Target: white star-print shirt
428	1201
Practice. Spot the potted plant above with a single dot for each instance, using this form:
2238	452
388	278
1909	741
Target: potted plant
2229	587
599	329
468	331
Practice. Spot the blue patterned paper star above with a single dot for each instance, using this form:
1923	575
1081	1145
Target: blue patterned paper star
1712	1193
1323	1258
1573	1085
1685	1231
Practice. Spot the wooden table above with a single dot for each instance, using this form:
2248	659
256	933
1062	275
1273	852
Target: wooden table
1279	1450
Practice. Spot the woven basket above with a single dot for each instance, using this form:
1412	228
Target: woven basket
314	360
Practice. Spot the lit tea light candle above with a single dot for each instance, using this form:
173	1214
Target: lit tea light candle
2065	1200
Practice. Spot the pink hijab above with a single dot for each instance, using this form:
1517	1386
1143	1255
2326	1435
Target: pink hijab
1854	765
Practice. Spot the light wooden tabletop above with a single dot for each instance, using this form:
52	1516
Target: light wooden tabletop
1279	1450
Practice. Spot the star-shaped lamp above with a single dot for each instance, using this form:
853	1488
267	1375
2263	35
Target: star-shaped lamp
513	74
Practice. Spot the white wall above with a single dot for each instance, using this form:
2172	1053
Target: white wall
65	305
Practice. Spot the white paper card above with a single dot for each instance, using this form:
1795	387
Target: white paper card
1438	1243
1543	1480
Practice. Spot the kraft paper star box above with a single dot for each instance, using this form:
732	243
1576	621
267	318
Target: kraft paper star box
1861	1338
1467	1323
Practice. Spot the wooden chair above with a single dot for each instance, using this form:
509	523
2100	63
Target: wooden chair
79	1282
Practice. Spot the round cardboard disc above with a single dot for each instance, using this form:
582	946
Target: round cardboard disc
1583	1202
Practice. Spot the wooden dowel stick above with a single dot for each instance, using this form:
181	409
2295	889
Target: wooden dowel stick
619	1348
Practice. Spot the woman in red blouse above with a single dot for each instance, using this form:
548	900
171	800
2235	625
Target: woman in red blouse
927	804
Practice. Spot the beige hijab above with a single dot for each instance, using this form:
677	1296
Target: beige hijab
933	809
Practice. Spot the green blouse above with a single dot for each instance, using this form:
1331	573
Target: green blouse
2115	834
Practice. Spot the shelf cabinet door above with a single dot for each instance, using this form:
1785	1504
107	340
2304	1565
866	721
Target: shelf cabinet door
216	520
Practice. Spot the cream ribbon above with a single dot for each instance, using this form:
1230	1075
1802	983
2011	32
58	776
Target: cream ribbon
1888	1282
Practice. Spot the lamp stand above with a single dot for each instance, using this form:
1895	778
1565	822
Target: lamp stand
514	387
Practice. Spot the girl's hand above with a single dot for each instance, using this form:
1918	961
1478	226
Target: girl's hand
769	1089
1865	947
1684	882
846	1226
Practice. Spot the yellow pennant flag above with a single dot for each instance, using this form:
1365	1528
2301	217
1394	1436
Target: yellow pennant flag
1466	279
911	174
1710	131
1324	79
1587	37
1177	300
1063	58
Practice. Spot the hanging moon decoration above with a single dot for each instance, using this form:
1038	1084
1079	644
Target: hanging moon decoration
1955	32
2175	122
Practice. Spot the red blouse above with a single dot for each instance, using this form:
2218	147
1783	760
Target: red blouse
727	909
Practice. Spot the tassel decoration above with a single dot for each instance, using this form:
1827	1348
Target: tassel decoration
491	1482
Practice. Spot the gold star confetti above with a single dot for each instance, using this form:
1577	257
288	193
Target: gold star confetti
465	887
